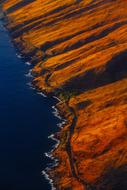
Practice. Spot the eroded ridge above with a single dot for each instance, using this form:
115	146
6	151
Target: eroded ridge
78	49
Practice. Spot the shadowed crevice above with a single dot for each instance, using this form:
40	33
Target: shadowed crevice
114	70
114	178
19	5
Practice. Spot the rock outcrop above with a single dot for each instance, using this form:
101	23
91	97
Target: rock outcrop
78	49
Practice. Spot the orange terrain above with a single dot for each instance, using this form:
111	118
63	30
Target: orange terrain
78	49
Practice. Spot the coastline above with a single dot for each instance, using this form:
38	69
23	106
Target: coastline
5	32
56	112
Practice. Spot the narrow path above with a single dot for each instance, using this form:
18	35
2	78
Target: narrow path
70	152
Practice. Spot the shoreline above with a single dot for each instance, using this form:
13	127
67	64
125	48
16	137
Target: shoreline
51	137
55	112
60	125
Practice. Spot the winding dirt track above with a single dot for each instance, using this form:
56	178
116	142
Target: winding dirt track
74	171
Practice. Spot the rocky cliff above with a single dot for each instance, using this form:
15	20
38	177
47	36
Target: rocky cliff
78	49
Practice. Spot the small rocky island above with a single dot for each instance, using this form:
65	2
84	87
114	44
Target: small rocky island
78	49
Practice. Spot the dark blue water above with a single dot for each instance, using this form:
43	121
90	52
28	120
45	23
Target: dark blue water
26	120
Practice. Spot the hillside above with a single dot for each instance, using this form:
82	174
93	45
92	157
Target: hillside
78	49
